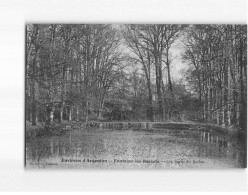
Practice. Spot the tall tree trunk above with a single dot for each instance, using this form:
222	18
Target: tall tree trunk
158	67
150	101
168	69
225	93
77	113
50	114
101	105
229	95
70	113
33	81
243	114
61	111
34	108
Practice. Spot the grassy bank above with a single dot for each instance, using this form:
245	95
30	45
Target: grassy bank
55	128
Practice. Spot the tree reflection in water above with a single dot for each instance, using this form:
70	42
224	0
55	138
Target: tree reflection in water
215	149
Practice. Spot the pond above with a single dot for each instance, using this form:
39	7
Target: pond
130	148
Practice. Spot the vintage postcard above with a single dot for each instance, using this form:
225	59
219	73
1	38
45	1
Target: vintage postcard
143	96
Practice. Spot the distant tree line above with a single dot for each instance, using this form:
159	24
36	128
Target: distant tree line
123	72
69	69
151	46
217	55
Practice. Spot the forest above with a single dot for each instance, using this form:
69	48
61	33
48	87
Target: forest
106	72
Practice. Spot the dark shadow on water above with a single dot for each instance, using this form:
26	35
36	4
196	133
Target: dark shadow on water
164	145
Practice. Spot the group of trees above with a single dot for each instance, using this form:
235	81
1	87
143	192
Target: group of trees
217	55
69	69
123	72
150	46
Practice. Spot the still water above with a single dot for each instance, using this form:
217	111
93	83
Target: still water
160	148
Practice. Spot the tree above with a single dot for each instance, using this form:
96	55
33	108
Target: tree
70	69
150	44
217	55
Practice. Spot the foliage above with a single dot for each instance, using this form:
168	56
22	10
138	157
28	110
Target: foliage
82	72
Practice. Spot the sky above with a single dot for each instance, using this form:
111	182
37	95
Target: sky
177	65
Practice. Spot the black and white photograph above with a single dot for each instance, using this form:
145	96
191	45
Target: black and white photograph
135	96
123	96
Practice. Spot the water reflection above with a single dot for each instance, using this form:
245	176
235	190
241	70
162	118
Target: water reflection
159	145
222	146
